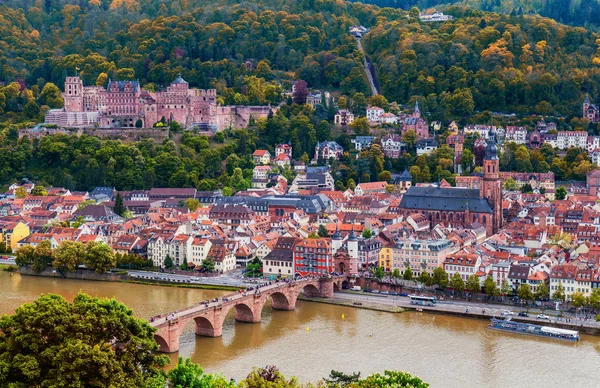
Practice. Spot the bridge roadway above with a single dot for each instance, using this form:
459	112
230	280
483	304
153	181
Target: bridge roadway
248	307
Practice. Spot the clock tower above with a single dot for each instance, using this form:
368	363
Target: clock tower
491	186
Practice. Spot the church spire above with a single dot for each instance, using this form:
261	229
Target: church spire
337	235
491	151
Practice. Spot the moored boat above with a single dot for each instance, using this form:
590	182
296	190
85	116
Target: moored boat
531	329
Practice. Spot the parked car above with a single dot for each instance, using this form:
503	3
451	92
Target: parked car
367	290
384	292
394	293
403	294
355	288
507	312
543	316
375	292
523	314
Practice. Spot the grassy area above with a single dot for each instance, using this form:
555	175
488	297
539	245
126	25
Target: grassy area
179	285
8	267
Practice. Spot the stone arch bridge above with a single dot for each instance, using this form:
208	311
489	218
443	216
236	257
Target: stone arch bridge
248	308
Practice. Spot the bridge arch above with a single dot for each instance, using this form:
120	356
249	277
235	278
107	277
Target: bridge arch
205	327
280	301
248	313
248	308
163	344
310	290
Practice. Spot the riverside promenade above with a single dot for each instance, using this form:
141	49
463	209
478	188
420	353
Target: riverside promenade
466	309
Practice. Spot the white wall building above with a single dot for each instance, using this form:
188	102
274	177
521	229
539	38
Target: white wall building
374	114
568	139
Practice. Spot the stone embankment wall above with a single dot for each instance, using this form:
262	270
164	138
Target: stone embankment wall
81	275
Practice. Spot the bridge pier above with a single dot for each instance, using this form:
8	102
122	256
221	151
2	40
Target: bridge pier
167	336
325	288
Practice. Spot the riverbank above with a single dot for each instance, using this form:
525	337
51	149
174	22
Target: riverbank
179	285
122	278
342	302
461	310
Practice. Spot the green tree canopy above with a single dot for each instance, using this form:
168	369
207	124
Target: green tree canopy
99	257
490	288
69	350
457	283
559	294
189	375
473	283
168	262
440	277
68	256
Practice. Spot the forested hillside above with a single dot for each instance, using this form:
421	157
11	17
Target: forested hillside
573	12
486	61
207	41
480	61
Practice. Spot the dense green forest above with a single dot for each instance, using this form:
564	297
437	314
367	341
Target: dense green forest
486	61
573	12
480	61
224	161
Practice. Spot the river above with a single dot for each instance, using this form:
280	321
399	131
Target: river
444	351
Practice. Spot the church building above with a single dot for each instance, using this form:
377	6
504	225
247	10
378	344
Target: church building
462	207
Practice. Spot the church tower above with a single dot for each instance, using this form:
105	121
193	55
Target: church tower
417	113
586	105
491	186
73	95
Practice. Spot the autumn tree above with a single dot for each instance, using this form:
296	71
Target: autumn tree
300	92
42	255
99	257
68	256
39	190
51	96
24	256
192	204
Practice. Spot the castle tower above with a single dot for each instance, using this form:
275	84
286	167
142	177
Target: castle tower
336	240
491	186
73	95
352	245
